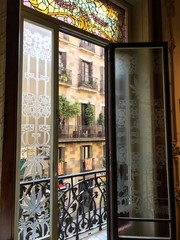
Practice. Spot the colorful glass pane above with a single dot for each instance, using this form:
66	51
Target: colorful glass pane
99	18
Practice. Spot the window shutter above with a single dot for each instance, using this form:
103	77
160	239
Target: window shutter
80	70
91	71
90	152
64	59
81	152
102	73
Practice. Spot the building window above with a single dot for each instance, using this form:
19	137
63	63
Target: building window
86	151
62	62
65	75
86	158
87	118
85	70
102	82
61	160
86	78
61	153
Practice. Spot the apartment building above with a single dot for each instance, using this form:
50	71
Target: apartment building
81	82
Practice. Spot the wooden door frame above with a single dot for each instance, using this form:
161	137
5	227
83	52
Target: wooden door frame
8	174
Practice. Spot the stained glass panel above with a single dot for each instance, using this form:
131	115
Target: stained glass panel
96	17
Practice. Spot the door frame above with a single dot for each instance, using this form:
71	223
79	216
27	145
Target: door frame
8	176
111	122
8	230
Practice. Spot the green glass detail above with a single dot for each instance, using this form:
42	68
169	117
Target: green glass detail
99	18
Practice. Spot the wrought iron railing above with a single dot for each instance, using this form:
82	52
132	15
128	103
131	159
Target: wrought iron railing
81	205
90	83
65	76
72	131
87	45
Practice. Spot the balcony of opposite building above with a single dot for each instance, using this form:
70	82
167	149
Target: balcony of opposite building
88	83
65	76
73	132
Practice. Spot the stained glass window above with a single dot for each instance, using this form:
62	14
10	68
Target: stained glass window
99	18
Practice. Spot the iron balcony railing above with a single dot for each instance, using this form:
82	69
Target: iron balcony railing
82	205
87	45
65	76
90	82
72	131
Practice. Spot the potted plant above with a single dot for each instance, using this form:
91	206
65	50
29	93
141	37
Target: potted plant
75	109
100	122
67	110
63	113
63	78
89	116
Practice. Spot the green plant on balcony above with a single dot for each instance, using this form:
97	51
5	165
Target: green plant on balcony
64	78
75	109
89	114
89	117
100	122
95	83
100	119
64	112
68	110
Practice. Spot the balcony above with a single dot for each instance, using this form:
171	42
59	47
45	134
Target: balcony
82	206
65	76
81	132
86	45
90	83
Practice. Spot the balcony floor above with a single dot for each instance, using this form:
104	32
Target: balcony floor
96	235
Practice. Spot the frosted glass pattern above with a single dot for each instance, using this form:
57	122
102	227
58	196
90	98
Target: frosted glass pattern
35	132
142	190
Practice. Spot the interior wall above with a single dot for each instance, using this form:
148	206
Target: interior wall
176	21
176	58
139	21
171	33
2	75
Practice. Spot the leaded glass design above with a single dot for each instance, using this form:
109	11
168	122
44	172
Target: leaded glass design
94	16
36	120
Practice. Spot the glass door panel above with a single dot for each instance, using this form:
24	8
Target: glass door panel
36	132
141	157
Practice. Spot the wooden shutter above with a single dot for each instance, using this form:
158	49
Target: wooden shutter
64	59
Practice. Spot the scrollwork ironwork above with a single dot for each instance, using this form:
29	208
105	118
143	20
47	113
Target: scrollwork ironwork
81	205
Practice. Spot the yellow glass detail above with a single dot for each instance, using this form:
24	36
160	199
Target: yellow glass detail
96	17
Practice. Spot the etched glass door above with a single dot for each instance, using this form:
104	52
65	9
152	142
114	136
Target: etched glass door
36	141
140	143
